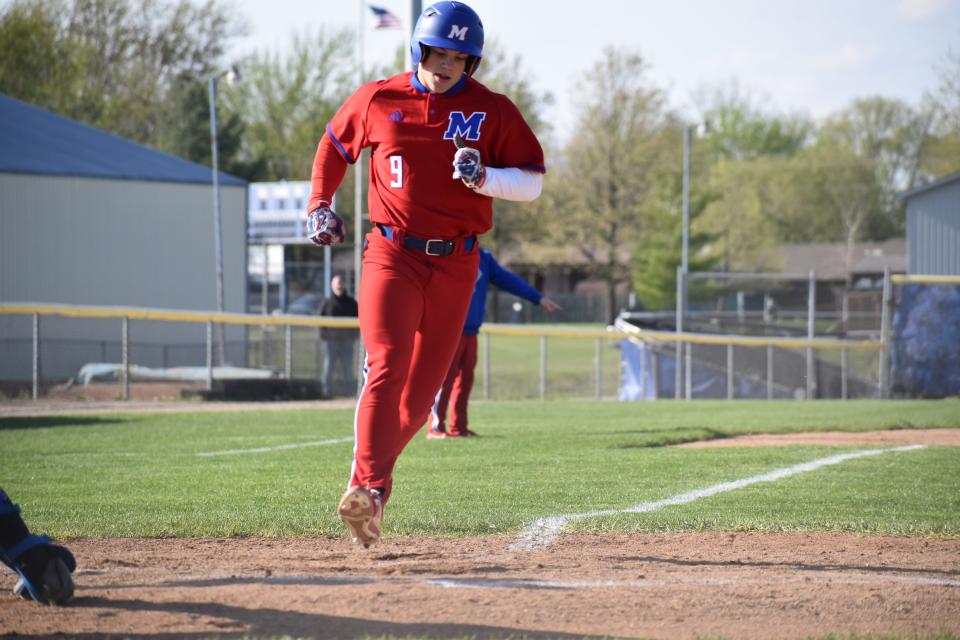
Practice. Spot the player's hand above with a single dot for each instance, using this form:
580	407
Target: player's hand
324	227
549	305
467	165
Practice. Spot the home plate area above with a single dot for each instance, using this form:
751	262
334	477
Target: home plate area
683	585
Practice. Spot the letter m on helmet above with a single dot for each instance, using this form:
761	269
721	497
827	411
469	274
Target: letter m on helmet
468	127
458	32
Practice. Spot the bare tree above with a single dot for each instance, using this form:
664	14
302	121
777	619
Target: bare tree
610	166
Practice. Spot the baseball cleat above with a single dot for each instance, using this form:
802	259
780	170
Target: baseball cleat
436	434
362	511
466	433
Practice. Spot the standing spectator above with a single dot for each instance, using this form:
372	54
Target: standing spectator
338	343
459	381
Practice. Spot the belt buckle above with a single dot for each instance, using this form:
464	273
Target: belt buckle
441	251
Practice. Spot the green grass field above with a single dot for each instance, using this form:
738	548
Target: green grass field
143	475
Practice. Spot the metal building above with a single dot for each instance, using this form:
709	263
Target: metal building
933	227
87	217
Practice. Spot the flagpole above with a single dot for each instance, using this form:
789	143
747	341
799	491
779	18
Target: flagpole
358	166
415	9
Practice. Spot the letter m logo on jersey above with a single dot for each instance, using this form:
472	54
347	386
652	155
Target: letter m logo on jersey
469	128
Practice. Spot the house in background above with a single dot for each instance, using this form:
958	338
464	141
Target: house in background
87	217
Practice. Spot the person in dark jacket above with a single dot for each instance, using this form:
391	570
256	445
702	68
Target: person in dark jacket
339	343
459	380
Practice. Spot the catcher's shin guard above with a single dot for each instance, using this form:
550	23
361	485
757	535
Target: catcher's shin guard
43	568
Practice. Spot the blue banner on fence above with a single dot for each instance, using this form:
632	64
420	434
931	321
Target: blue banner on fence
647	374
925	355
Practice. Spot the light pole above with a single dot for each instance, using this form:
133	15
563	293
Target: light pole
233	75
685	251
701	130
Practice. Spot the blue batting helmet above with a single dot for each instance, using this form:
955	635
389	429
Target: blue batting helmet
448	25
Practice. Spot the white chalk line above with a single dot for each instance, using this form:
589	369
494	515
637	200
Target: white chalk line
99	454
810	576
282	447
543	531
479	583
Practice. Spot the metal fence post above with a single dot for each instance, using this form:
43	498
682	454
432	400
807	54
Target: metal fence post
36	356
730	371
288	351
769	372
543	367
209	355
811	331
688	371
844	369
597	369
645	371
678	350
654	372
883	391
125	348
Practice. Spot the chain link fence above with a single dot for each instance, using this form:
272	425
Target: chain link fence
43	345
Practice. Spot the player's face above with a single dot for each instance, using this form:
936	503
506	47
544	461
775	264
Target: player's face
442	69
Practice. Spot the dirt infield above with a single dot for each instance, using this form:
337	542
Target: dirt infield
891	438
735	585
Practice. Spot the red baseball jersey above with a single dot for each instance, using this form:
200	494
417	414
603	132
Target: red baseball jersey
411	133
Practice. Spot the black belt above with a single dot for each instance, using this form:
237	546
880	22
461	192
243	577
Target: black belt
429	247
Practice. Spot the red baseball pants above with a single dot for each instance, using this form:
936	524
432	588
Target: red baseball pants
412	310
457	387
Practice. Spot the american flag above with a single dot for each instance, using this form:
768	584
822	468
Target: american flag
383	19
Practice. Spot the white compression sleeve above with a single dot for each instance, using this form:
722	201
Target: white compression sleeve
511	183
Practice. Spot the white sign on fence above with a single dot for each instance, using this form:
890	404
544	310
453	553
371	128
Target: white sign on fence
277	212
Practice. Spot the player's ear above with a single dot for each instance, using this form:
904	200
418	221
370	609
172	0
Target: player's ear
472	63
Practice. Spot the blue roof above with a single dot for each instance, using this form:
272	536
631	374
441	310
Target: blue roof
40	142
930	186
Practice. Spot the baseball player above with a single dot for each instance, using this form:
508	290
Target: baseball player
459	380
442	147
43	568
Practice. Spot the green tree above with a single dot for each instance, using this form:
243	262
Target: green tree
739	215
850	190
890	134
515	222
749	151
658	254
739	130
184	129
38	61
609	169
287	100
112	64
793	200
942	153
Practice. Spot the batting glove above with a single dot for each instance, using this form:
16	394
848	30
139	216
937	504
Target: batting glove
468	167
324	227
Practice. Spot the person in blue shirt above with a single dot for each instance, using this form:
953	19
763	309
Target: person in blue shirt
459	379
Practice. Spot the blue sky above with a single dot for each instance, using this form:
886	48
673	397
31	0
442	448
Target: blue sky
804	56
